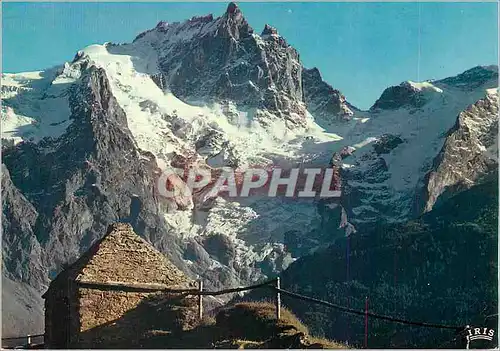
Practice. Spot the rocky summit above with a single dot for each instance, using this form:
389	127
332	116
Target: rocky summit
84	145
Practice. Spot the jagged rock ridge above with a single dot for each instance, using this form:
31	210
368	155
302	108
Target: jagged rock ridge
470	151
127	112
222	58
77	184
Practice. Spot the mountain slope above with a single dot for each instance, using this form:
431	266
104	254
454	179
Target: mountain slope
140	119
22	310
440	268
84	144
394	150
470	150
90	176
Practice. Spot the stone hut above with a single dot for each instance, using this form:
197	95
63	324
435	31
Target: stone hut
111	296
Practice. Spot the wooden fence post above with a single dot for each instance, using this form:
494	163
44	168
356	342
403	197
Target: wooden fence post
366	322
467	327
200	300
278	300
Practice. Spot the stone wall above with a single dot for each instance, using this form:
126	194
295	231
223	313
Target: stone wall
122	319
61	316
91	303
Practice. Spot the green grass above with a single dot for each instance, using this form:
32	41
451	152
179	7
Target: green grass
257	321
251	323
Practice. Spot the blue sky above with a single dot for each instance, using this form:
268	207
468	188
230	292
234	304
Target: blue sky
360	48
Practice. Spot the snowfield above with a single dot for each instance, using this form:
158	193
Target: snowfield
35	105
163	124
221	134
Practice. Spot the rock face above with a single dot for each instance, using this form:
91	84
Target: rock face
21	250
473	78
391	174
322	101
469	153
210	93
399	96
222	58
22	311
269	30
67	190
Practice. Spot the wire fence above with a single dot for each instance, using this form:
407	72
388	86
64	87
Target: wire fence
273	284
25	341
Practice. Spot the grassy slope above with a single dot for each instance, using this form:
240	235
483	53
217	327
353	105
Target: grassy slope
243	325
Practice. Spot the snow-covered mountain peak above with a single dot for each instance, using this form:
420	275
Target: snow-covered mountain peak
261	72
220	132
473	78
232	24
209	92
420	86
408	94
410	124
166	35
415	95
35	104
